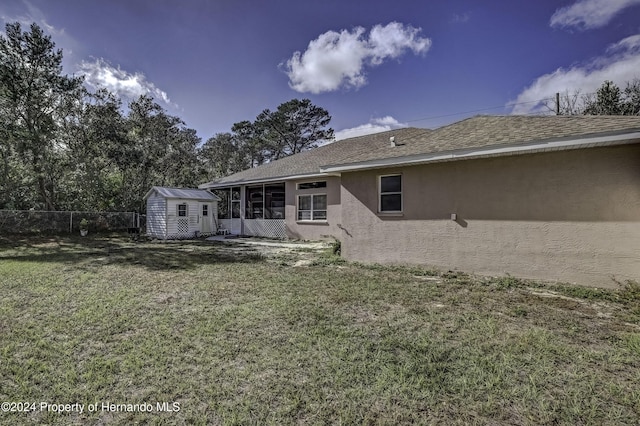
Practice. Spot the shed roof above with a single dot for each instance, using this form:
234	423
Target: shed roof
183	193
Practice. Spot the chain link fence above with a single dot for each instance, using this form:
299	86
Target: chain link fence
60	222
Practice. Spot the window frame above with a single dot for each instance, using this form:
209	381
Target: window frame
381	194
311	210
186	210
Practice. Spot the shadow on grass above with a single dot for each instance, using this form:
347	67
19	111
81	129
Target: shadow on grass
119	250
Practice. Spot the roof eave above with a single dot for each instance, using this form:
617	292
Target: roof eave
214	185
489	151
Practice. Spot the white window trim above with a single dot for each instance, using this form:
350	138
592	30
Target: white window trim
312	220
380	193
186	210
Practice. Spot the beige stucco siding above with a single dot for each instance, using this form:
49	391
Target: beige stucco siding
571	216
314	230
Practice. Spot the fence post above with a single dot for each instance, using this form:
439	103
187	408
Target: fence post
71	223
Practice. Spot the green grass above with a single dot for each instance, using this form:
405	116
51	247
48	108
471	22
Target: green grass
244	338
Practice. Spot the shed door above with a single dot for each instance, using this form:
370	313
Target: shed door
205	215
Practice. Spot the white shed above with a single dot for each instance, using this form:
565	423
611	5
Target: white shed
174	213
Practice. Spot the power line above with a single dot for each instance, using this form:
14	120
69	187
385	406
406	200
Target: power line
433	117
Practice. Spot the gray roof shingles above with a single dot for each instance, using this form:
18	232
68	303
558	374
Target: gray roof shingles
476	132
484	131
309	162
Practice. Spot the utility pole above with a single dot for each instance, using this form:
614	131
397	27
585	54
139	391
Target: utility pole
557	103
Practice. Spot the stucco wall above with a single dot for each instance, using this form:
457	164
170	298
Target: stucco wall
572	216
314	230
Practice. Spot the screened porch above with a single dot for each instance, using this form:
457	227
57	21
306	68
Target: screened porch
255	210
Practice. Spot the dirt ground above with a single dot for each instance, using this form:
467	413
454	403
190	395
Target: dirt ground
299	253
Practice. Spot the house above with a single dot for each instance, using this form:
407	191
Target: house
544	197
291	197
174	213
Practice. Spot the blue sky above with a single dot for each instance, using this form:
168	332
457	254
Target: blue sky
374	65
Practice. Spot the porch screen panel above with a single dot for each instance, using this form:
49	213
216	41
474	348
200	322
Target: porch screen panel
235	203
254	202
274	201
224	207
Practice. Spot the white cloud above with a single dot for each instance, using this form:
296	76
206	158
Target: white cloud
630	43
376	125
589	14
620	64
100	74
336	60
30	15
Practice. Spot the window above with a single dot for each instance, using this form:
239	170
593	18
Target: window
205	210
182	210
390	193
312	207
312	185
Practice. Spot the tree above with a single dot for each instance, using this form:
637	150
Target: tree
32	93
179	166
251	151
607	101
222	155
15	182
631	98
157	149
93	130
296	126
64	147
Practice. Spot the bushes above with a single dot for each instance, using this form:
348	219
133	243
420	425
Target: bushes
336	247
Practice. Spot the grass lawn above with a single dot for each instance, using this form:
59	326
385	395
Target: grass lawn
242	338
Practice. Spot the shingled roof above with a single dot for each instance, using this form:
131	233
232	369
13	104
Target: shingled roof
308	163
507	133
488	131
